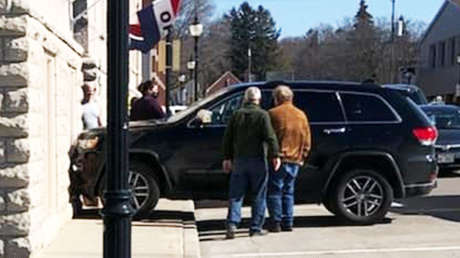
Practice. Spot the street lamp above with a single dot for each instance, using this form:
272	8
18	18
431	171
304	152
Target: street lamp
191	66
195	30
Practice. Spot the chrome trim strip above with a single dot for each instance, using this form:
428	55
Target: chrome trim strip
420	185
448	146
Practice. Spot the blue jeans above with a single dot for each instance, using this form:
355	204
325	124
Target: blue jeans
247	173
280	199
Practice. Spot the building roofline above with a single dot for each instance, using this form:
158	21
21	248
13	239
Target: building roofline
430	27
220	78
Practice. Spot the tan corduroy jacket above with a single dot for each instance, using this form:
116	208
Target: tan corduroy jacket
293	131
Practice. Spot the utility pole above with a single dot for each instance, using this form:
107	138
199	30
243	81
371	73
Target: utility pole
117	211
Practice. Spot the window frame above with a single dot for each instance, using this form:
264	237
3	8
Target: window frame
432	56
453	51
339	101
442	54
383	100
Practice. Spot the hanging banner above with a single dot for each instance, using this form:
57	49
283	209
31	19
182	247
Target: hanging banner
154	21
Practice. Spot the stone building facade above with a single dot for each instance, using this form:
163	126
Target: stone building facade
40	115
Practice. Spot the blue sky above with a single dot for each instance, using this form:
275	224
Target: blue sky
295	17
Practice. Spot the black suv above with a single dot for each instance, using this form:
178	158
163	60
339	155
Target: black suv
370	144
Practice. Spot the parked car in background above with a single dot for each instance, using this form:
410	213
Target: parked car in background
369	145
411	91
447	146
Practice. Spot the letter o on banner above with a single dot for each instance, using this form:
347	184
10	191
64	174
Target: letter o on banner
165	17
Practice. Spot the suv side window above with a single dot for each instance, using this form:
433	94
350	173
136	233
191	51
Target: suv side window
366	108
319	106
222	113
267	100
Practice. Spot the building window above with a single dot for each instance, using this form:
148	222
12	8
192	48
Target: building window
453	52
80	22
442	53
432	56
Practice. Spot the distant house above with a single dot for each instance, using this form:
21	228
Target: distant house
227	79
438	72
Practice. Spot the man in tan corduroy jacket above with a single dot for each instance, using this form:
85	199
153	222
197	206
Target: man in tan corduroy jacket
293	132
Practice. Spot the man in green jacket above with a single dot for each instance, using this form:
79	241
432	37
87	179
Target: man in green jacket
248	141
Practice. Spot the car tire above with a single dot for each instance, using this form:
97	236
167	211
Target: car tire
145	192
362	196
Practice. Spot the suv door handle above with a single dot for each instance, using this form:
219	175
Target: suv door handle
334	130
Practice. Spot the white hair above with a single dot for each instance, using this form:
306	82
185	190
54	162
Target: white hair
252	94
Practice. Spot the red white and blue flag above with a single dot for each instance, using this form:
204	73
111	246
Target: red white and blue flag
154	21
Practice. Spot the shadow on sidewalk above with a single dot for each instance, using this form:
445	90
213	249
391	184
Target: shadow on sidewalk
160	216
211	230
440	206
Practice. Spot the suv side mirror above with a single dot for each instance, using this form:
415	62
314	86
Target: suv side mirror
203	117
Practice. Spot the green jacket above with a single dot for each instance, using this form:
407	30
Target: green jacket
249	134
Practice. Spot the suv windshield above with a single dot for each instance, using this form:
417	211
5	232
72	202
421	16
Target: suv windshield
195	106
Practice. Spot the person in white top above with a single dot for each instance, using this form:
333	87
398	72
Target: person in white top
91	112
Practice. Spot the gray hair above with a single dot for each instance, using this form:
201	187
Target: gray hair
252	94
283	94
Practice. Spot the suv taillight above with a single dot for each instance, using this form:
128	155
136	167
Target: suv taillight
426	135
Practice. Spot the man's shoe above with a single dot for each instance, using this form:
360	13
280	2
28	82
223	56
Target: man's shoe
257	233
275	227
231	229
287	229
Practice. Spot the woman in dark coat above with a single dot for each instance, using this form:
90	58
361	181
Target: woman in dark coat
147	107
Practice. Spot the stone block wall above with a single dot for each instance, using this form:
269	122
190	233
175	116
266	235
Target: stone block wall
40	113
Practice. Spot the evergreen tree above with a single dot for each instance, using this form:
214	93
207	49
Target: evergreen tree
363	45
252	29
363	18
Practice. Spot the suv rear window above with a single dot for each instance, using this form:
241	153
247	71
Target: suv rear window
416	96
319	106
366	108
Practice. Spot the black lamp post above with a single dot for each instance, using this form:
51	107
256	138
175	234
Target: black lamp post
168	70
117	209
191	67
195	30
181	98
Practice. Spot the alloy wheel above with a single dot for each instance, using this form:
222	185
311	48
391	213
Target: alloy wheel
139	189
362	196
